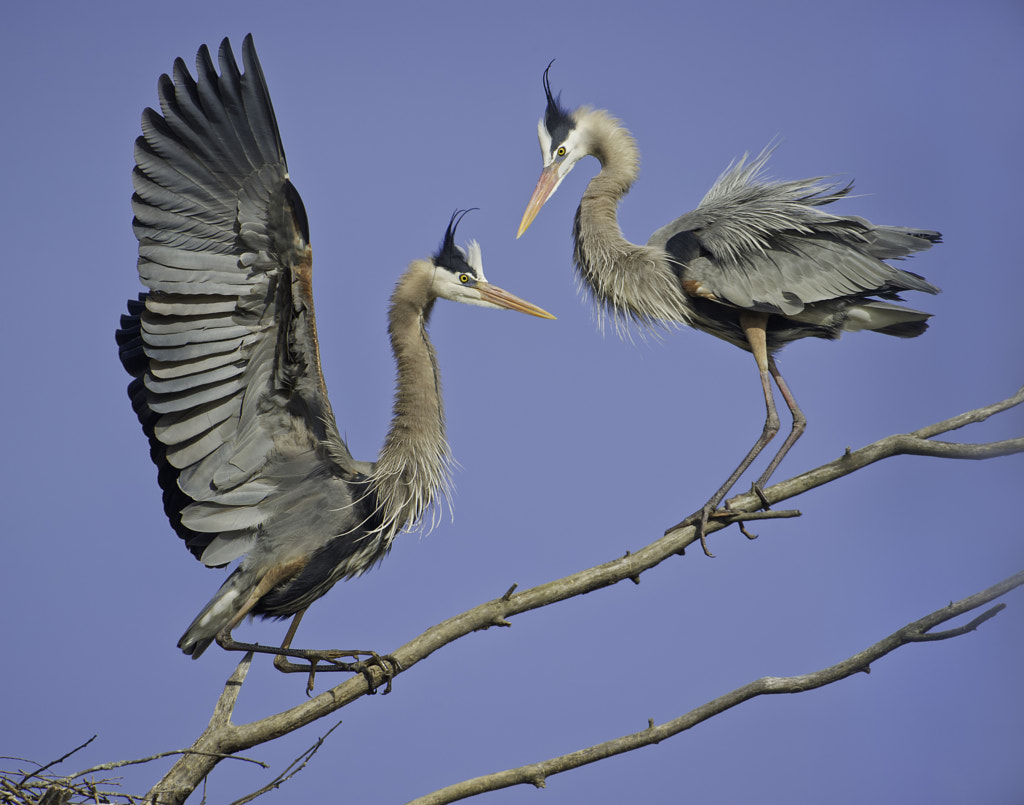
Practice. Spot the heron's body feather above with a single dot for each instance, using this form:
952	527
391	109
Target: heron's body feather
751	244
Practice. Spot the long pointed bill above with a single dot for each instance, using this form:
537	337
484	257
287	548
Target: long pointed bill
501	298
546	186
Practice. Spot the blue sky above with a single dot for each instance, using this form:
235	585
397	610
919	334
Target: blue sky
573	447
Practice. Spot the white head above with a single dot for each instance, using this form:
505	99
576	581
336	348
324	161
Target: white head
459	276
563	143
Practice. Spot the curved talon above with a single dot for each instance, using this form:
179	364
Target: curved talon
389	667
312	677
705	513
744	532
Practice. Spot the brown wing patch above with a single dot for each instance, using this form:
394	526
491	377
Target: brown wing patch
696	288
304	282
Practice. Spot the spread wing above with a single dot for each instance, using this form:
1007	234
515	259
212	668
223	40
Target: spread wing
223	347
767	246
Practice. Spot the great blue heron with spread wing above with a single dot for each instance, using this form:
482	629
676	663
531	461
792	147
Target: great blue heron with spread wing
228	385
757	263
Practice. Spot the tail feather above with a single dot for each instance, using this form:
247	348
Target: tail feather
217	614
886	318
896	242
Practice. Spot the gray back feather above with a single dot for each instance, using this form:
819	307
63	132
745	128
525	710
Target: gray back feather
766	245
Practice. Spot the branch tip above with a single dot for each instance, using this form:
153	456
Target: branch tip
926	636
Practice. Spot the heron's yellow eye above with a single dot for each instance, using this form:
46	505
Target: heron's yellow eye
464	278
561	151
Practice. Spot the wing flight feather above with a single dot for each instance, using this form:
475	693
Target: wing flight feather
223	345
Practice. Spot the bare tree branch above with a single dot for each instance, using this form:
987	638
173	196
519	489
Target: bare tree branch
222	737
536	773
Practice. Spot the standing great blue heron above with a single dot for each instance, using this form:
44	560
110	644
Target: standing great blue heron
756	263
224	352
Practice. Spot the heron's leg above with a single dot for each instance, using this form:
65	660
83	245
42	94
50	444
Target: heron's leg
754	328
331	656
292	629
799	425
274	577
271	579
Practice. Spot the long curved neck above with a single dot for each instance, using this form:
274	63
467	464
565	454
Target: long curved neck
629	281
597	222
414	464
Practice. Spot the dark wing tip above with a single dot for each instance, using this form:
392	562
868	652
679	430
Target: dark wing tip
249	56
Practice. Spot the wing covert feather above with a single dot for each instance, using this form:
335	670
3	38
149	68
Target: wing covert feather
767	246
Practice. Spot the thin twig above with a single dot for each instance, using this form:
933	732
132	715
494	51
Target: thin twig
970	417
116	764
293	768
726	516
52	763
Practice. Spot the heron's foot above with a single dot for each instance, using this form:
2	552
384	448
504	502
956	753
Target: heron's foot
755	489
710	511
389	667
331	660
699	520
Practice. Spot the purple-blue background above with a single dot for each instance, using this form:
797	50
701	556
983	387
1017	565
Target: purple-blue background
574	448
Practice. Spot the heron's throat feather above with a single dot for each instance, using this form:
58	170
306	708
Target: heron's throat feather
630	282
414	467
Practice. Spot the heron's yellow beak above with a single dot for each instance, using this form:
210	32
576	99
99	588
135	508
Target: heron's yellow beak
502	298
546	185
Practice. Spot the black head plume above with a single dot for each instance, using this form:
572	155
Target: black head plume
556	118
449	255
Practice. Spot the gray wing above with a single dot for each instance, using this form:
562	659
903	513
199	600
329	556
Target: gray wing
223	347
764	245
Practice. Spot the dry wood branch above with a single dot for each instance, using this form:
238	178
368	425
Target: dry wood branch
224	738
536	773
